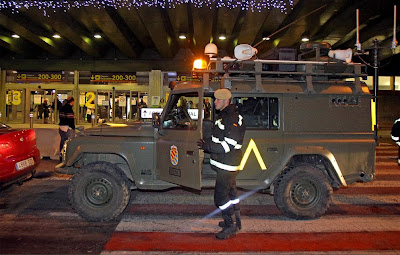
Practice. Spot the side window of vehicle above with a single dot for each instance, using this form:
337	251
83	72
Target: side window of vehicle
183	112
259	112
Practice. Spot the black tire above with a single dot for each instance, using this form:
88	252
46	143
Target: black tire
303	192
99	192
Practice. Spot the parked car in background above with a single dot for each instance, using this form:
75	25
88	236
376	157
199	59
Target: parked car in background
19	155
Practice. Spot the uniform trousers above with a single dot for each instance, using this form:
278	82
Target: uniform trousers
225	190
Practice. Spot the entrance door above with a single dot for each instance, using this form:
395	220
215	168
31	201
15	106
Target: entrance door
178	159
40	102
121	106
103	105
15	105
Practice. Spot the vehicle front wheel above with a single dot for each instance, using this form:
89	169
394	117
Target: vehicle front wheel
99	192
303	192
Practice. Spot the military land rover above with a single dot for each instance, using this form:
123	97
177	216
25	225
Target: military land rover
309	131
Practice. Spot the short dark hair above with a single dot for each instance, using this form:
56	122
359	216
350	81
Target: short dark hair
70	99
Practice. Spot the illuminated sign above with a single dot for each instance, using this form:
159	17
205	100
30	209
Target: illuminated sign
40	76
187	77
146	113
181	77
113	77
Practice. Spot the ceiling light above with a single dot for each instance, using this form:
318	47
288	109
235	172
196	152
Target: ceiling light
57	36
15	36
222	37
266	38
182	36
97	36
305	39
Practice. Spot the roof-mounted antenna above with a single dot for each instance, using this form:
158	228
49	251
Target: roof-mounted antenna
358	44
394	42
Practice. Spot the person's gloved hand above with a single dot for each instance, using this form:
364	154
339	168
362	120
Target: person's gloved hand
200	144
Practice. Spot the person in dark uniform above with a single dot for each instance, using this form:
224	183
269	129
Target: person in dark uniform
225	148
67	122
396	136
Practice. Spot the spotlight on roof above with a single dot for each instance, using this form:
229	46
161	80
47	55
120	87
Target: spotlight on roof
222	37
57	36
182	36
97	36
15	36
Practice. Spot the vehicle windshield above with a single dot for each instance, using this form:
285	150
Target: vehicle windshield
182	112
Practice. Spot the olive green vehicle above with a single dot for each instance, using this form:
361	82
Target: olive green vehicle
309	131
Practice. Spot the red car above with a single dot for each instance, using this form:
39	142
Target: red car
19	155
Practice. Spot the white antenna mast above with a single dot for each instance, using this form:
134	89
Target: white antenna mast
358	44
394	42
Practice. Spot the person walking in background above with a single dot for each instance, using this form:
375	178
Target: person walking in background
225	149
67	122
46	111
396	136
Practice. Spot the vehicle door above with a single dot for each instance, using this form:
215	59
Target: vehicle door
262	145
178	157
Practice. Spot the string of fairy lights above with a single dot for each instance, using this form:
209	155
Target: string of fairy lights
64	5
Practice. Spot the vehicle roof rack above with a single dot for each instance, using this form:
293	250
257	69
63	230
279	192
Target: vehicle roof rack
260	70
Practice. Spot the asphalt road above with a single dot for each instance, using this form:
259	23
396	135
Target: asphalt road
36	218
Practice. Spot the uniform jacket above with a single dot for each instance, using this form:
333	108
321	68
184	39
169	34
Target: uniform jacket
226	140
67	117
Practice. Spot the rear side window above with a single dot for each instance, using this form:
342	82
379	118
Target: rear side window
259	112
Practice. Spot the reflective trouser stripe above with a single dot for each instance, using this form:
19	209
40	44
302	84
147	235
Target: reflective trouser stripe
395	138
224	166
231	202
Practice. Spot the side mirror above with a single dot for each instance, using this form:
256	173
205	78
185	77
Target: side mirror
156	119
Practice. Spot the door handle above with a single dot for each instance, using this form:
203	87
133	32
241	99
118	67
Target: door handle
190	153
272	149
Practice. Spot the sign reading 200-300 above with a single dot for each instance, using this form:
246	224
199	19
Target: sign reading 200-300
40	76
113	77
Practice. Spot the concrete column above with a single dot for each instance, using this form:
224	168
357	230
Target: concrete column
3	95
155	85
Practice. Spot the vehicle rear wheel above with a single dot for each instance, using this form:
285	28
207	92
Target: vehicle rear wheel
99	192
303	192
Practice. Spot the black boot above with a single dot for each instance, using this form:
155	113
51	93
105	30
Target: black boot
229	230
237	221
